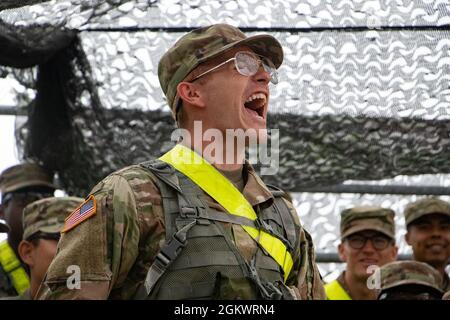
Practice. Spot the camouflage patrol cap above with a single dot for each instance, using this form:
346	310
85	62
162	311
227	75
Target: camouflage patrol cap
24	175
203	44
4	227
400	273
47	215
422	207
362	218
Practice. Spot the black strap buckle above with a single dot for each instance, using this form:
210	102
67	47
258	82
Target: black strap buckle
174	245
166	256
171	250
193	212
189	212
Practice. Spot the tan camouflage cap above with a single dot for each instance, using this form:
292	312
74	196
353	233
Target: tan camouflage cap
422	207
204	44
4	227
362	218
399	273
47	215
24	175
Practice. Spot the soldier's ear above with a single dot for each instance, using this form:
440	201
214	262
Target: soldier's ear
191	94
26	250
394	252
407	237
341	252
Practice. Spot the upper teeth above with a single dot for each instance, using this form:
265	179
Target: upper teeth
256	96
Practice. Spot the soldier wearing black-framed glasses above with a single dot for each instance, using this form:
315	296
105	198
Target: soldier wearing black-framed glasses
378	241
367	242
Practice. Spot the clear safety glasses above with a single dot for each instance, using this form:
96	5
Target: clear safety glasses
247	64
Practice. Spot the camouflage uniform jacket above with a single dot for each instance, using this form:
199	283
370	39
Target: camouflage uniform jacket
116	246
446	282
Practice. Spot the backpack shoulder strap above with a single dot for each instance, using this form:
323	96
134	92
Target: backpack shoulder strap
290	225
163	171
167	182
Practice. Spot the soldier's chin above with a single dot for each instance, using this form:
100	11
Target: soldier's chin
436	257
262	136
254	137
364	267
361	273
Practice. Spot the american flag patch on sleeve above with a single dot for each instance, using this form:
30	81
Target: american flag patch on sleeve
84	211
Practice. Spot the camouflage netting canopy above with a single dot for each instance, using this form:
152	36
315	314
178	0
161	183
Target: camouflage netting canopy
364	90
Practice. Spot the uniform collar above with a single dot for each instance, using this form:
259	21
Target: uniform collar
255	190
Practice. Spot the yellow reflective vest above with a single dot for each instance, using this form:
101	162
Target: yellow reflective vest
335	291
13	267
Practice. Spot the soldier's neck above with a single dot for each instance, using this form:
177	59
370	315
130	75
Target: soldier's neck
221	157
236	177
357	288
35	283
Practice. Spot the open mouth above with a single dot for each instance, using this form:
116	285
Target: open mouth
436	246
255	104
369	261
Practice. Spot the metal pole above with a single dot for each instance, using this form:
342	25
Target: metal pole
13	111
376	189
333	257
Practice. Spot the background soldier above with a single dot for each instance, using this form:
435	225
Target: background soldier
367	239
409	280
19	185
42	223
428	233
149	232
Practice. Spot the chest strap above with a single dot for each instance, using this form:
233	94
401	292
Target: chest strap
168	253
225	193
12	266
